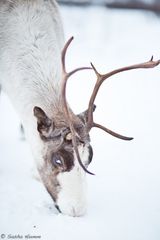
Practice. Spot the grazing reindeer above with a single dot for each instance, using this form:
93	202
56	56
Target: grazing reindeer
33	74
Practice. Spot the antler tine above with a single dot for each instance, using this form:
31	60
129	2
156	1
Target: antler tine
114	134
64	51
66	76
69	74
100	79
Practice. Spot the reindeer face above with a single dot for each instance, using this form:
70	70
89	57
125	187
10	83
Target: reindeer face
61	173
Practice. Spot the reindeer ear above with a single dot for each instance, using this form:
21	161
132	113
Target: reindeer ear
84	115
43	122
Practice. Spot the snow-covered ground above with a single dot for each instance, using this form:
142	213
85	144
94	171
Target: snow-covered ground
124	195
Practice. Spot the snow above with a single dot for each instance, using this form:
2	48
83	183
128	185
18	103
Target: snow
124	195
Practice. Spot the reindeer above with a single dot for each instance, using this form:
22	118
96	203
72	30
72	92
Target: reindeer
34	76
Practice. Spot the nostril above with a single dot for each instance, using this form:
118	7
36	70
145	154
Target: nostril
57	207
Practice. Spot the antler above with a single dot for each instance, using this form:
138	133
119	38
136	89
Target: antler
100	79
64	101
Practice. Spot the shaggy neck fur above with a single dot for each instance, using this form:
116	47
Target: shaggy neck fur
31	40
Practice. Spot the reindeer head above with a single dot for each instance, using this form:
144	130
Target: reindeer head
67	151
61	173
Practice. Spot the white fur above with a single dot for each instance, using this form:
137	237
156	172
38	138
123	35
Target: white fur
72	196
31	40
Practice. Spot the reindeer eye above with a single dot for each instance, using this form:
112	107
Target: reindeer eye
57	161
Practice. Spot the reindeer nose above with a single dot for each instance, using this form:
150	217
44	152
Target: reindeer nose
76	212
73	211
